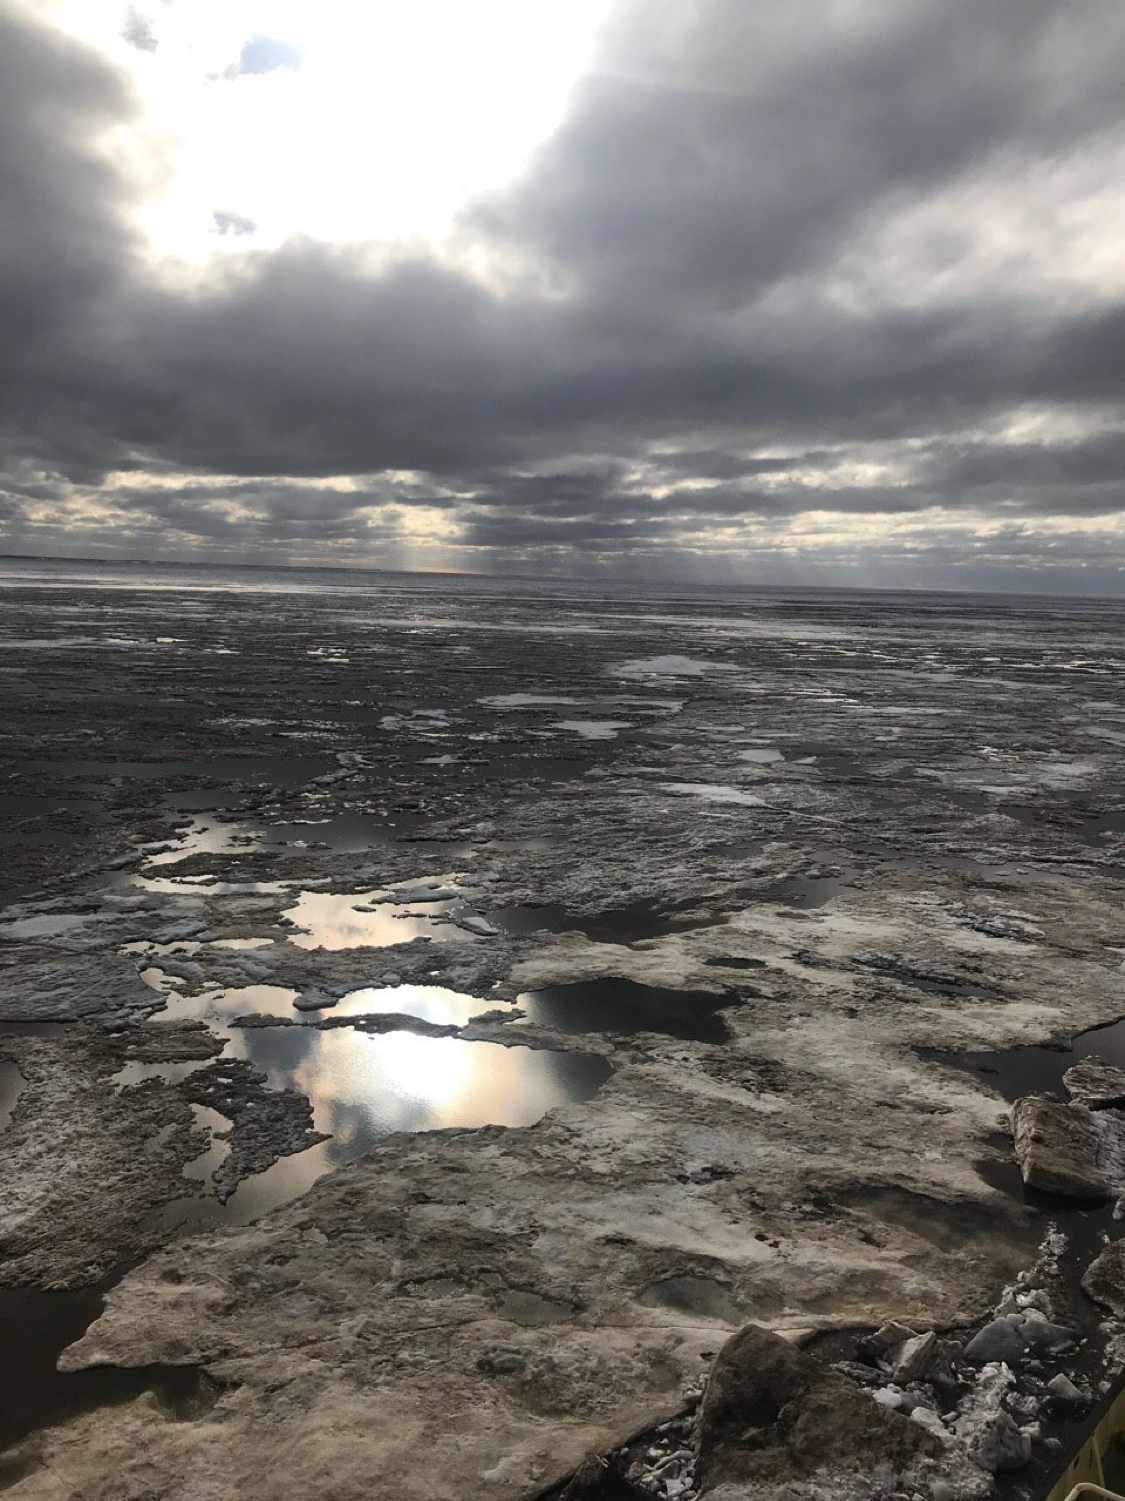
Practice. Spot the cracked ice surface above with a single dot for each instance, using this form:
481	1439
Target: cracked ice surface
937	864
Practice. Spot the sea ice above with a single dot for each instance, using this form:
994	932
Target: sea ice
714	792
523	700
668	667
47	925
593	729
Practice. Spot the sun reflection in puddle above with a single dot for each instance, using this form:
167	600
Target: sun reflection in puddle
342	920
430	1003
171	1073
362	1087
222	1006
204	835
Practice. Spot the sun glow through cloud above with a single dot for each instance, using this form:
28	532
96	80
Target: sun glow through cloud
341	121
615	286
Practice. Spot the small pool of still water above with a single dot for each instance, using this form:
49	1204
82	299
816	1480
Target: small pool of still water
620	1006
364	1086
1039	1070
11	1086
361	1087
1014	1073
35	1327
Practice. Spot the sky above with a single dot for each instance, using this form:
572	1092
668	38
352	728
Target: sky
822	292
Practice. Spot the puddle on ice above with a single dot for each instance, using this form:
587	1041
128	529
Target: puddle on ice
11	1087
287	772
1039	1070
203	836
623	925
35	1327
803	893
203	1168
171	1073
224	1005
532	1310
699	1297
615	1005
27	819
334	920
364	1086
348	832
430	1003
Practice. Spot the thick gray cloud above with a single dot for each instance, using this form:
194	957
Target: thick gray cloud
719	157
768	269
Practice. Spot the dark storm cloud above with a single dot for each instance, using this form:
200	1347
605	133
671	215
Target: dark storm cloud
61	209
558	493
1073	477
709	160
678	344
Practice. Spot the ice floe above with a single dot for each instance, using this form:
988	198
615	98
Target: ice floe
668	667
417	722
593	729
524	700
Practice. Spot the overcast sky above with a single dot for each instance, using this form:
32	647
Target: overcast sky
828	291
